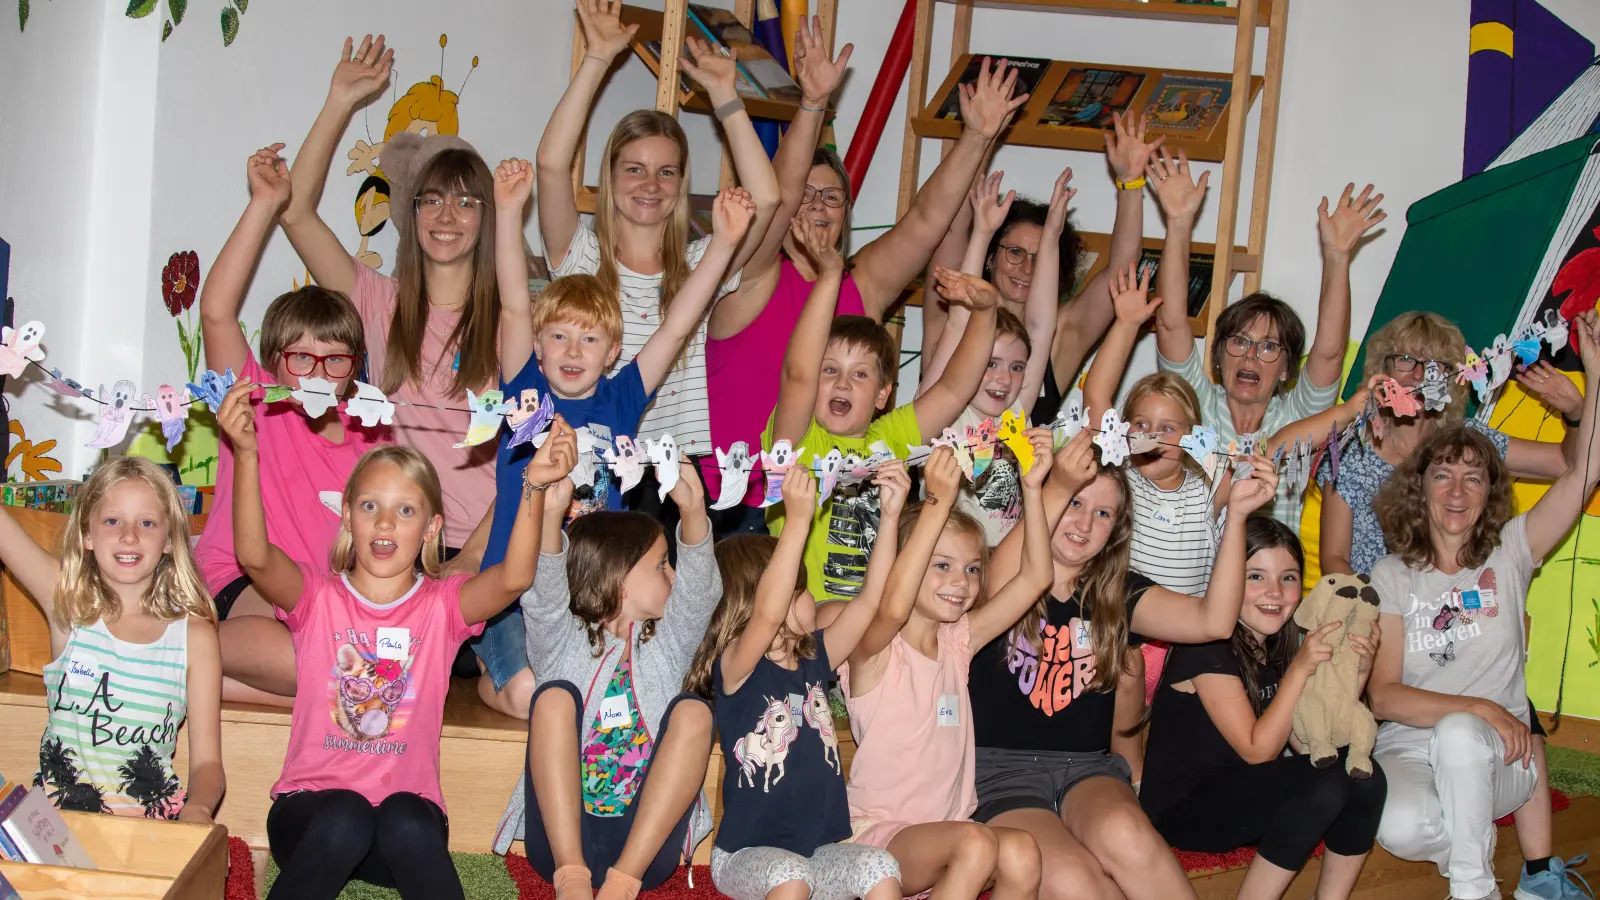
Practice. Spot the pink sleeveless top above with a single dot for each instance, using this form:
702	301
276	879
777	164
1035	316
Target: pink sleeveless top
743	372
920	711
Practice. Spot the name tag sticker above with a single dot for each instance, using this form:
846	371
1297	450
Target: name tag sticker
614	713
1166	516
1480	599
1080	636
949	710
83	670
394	643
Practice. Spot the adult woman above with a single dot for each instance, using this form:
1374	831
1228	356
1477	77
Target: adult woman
750	327
1448	681
1259	338
1216	776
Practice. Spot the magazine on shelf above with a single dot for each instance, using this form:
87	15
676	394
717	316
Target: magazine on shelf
1087	98
1200	268
1030	71
721	28
1187	105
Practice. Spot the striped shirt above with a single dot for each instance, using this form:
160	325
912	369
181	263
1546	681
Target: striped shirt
1174	536
680	407
114	712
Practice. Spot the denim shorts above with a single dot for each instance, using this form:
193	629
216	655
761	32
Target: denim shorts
1018	779
503	646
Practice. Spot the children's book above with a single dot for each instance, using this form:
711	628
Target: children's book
1188	104
7	892
29	819
1030	71
1200	268
1088	97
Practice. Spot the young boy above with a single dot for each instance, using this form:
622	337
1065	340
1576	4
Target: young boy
837	373
563	345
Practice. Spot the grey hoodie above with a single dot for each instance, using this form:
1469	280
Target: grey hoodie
559	650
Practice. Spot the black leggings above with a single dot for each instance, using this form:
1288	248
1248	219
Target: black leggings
1284	807
323	839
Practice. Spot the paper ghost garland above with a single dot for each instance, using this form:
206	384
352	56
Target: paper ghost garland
20	346
65	386
1397	399
735	464
488	411
1142	442
664	456
980	441
1499	355
1112	439
1556	330
370	406
625	462
1199	443
958	446
316	396
116	411
532	416
1435	387
826	469
775	464
213	387
173	413
1010	434
1070	420
582	474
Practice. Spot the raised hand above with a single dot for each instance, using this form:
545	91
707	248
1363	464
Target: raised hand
894	486
554	459
513	184
967	290
1246	495
1549	384
989	209
817	75
1354	217
268	176
361	72
1055	220
814	241
731	214
1176	190
1128	292
1126	149
1043	457
1075	465
942	476
237	417
689	493
711	68
604	35
799	495
1587	328
987	105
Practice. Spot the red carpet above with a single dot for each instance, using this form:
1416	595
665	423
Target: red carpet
241	871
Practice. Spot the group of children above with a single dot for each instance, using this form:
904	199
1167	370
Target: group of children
1000	641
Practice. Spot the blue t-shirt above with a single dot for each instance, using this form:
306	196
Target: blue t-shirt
612	411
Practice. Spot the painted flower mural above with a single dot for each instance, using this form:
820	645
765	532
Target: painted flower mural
1581	276
180	284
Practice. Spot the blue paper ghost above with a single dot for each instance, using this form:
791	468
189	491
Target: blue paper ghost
1200	442
212	388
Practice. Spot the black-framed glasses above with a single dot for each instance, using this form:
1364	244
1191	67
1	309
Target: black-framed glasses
1405	362
1018	256
1241	345
431	205
832	198
334	365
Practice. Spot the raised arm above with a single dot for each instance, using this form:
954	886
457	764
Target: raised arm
954	252
358	76
775	591
1543	459
1169	616
848	621
546	608
1314	429
1553	516
36	569
1010	602
203	695
604	36
1180	197
990	213
1073	468
731	215
802	362
224	289
884	267
1339	234
1337	534
1128	296
944	400
513	183
485	594
274	574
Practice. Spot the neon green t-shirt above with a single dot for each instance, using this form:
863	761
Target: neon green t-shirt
846	526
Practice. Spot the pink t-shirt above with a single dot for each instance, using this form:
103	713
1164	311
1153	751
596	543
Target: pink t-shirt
370	686
743	372
467	475
302	479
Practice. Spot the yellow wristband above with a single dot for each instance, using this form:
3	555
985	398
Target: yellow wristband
1134	185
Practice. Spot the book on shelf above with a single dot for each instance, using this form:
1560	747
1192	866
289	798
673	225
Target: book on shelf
650	52
1187	105
7	892
758	75
1030	71
1088	96
35	826
1200	268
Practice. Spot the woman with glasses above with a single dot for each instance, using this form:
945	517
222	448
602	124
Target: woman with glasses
1256	350
749	331
1352	539
311	332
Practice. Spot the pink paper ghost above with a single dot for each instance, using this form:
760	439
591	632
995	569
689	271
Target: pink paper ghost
20	346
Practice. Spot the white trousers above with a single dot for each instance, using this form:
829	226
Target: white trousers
1444	797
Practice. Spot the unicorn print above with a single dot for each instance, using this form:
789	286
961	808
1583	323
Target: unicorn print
767	746
819	715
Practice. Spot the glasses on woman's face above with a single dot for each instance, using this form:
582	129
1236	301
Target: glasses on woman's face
334	365
1018	256
1399	363
1241	345
431	206
832	198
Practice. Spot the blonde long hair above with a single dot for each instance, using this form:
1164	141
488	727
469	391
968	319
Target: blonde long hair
83	596
742	559
419	471
643	123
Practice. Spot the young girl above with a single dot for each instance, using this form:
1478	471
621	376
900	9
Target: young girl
767	667
359	795
309	332
133	650
617	751
639	245
1045	694
906	688
1215	774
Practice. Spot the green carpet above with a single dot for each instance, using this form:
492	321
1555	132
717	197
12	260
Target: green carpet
1573	772
483	876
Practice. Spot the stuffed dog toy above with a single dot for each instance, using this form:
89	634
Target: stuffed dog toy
1330	714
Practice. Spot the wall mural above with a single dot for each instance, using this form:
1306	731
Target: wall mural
33	461
228	18
1521	57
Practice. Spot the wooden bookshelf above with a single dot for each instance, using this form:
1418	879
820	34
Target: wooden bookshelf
1133	9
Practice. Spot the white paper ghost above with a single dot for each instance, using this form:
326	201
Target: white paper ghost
20	346
488	412
582	474
735	465
1142	442
827	468
1435	387
664	456
1500	359
1112	439
624	460
1556	330
116	411
369	405
916	456
316	396
775	464
173	412
1070	420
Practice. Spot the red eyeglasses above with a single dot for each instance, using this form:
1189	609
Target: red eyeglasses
334	365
